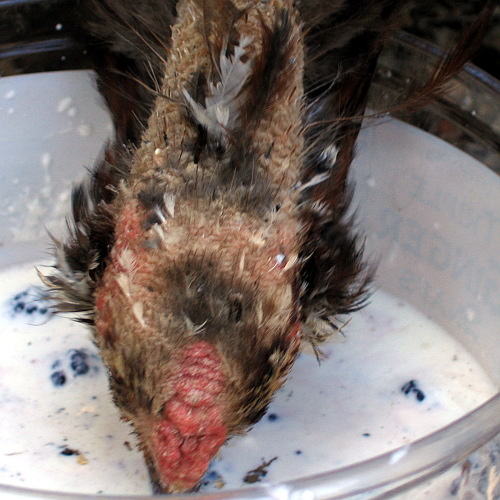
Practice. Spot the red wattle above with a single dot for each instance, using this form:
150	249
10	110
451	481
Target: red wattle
193	429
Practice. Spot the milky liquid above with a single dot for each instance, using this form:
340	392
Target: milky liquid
52	126
391	377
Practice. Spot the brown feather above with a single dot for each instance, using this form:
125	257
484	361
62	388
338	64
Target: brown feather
417	94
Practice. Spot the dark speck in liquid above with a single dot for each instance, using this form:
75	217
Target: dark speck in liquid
75	363
29	302
455	486
19	306
79	362
419	395
412	387
58	378
213	477
255	475
69	451
272	417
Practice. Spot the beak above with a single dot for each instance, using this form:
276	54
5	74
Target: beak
156	486
154	479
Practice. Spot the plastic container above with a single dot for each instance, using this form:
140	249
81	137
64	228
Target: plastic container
429	210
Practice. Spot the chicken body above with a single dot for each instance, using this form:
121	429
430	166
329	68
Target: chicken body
212	237
201	280
193	247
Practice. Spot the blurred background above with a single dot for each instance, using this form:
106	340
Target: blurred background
35	34
442	21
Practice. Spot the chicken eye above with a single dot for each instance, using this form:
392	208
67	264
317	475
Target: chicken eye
235	309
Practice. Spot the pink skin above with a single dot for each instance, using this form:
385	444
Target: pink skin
193	430
183	443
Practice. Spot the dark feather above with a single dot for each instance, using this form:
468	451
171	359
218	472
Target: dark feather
343	45
271	73
419	94
127	41
340	36
80	260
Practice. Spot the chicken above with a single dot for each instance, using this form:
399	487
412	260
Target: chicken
212	238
